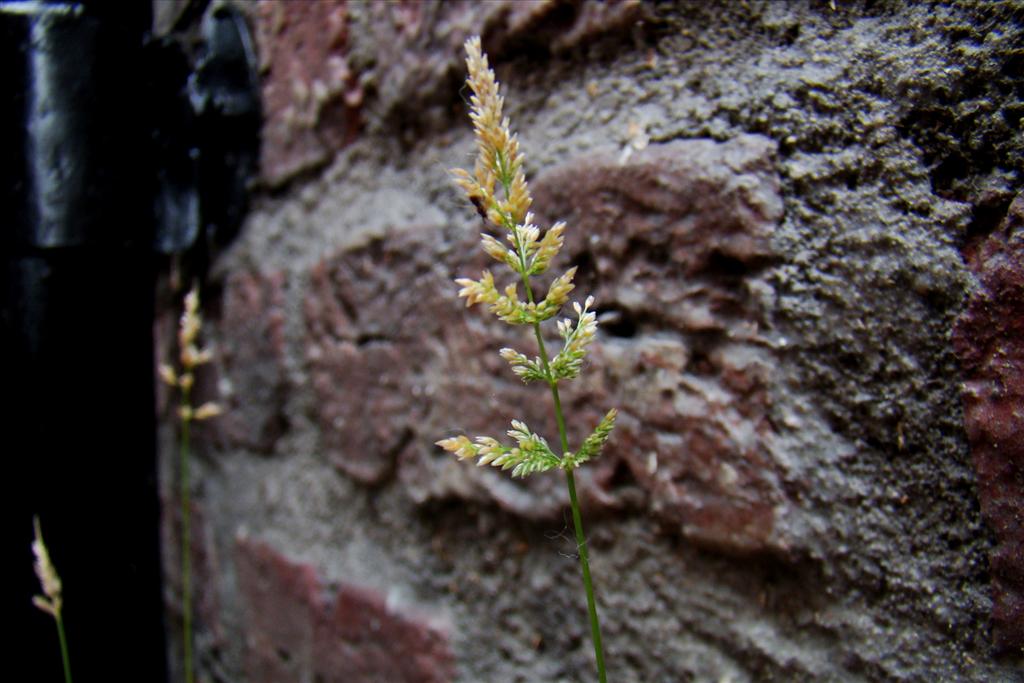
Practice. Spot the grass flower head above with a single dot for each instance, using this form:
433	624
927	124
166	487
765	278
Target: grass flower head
498	190
51	600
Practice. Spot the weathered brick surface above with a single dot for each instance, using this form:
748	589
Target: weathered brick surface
682	357
397	362
281	600
989	339
558	27
788	389
362	353
673	240
330	64
310	95
251	359
299	629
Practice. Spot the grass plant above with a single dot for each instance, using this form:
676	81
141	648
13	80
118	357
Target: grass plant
52	599
191	356
498	189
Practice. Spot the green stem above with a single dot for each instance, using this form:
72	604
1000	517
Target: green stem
577	519
581	543
186	545
63	649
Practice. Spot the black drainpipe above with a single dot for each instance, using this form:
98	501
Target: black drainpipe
99	181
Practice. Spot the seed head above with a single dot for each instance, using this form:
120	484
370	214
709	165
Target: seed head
499	159
47	573
168	375
206	411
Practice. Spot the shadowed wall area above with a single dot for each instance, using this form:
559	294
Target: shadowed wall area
799	223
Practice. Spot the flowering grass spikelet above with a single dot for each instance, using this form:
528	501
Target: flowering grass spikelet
498	190
530	454
547	249
51	600
191	357
569	361
592	445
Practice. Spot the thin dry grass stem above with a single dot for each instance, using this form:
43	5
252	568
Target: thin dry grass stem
191	356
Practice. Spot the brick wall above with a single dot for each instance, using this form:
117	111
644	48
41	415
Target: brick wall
792	217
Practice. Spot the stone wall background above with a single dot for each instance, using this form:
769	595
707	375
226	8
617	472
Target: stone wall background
784	210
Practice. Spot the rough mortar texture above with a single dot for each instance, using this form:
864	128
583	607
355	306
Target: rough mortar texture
774	204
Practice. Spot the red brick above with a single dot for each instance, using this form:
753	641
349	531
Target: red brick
361	374
281	601
989	339
298	631
559	27
672	238
329	64
397	362
311	97
251	358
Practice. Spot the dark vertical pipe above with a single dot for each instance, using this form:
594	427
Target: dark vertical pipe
76	297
